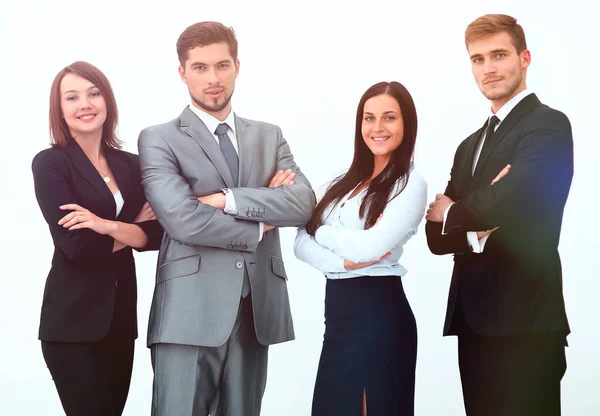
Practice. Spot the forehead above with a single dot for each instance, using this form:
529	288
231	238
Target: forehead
381	103
209	54
73	82
491	43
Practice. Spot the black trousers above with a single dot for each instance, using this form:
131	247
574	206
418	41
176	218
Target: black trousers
516	375
92	378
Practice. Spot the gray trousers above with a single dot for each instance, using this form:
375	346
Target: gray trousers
228	380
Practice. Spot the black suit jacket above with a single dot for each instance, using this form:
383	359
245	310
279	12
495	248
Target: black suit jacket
515	285
80	292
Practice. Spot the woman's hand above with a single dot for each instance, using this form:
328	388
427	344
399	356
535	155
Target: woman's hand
350	265
83	218
146	214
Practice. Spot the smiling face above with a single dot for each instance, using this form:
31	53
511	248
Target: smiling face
498	68
382	126
82	105
210	72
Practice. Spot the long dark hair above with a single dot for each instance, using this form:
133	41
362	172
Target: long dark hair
380	189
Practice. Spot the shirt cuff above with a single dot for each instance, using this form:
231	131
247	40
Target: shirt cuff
476	245
446	216
230	205
261	231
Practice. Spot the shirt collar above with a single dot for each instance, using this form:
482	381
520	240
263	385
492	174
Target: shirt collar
212	122
510	104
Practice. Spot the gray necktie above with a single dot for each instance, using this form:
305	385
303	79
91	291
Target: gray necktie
232	159
231	156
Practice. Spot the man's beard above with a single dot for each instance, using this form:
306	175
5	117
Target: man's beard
212	108
508	92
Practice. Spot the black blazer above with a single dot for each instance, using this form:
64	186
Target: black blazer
80	292
515	285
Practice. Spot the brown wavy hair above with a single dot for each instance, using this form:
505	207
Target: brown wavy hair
380	189
59	131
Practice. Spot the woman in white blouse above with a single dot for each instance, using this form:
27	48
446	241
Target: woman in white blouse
356	237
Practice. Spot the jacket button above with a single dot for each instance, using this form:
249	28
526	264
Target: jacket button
239	265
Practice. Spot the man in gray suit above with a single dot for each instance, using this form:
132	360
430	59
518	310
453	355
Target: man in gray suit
220	185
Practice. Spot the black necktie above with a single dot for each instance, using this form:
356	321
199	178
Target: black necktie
231	156
487	139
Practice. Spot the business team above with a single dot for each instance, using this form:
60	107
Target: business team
210	190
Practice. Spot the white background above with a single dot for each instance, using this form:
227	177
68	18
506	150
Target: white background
304	66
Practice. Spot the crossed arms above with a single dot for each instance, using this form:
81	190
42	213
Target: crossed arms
199	220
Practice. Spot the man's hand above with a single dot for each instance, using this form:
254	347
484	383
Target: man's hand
350	265
502	174
437	208
282	177
214	200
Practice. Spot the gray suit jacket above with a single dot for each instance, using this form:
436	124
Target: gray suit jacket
204	251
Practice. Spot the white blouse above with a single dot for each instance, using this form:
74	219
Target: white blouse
119	201
343	234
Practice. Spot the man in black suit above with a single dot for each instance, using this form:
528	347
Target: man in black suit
501	217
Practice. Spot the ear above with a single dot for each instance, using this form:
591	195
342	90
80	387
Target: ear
525	58
237	67
182	74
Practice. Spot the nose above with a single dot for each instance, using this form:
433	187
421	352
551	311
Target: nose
84	102
378	126
489	67
212	76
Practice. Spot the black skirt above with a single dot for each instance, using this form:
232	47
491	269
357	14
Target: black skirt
370	346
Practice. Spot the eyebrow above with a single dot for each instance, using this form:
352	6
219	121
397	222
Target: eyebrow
70	91
202	63
385	112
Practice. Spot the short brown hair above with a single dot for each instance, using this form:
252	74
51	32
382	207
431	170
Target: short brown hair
203	34
490	24
59	131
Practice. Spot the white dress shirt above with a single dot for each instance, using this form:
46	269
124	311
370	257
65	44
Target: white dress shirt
343	235
477	245
211	124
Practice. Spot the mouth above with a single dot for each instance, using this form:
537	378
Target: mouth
214	93
380	139
86	117
492	81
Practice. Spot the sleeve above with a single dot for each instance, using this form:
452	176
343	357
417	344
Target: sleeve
284	206
154	232
181	215
309	251
401	218
445	243
52	190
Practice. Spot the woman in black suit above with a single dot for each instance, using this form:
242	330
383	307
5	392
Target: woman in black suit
91	196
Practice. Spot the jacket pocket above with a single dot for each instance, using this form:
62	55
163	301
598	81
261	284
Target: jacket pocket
183	266
278	268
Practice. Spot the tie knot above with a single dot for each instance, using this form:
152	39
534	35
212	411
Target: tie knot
494	120
221	129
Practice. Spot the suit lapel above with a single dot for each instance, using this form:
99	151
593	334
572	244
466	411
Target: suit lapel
196	129
525	106
89	172
245	139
